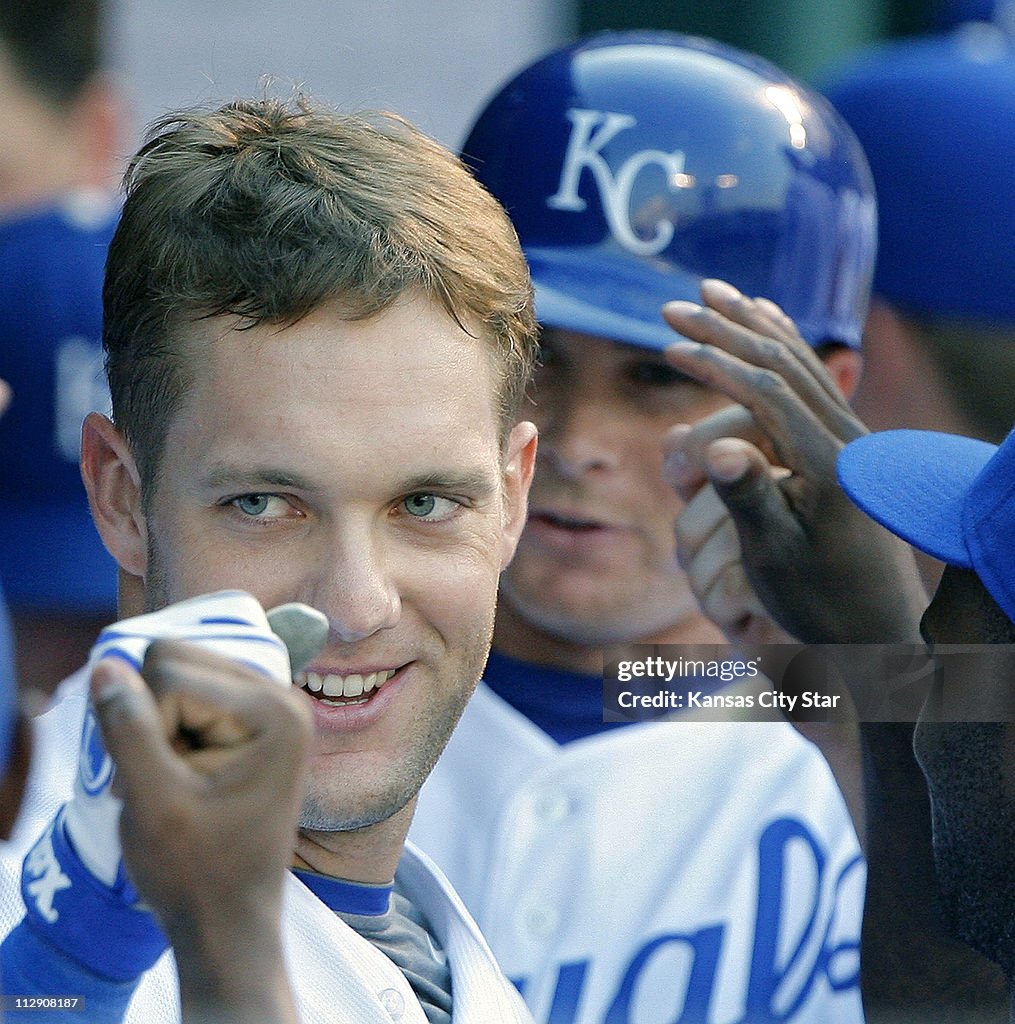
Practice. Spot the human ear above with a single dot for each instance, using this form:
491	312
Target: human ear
519	465
113	484
844	366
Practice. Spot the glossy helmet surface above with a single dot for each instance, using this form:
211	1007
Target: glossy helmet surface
635	164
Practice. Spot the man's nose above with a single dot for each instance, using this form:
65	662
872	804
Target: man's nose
355	587
578	436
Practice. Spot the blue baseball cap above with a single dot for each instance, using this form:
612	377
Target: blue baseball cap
52	263
949	13
951	497
936	118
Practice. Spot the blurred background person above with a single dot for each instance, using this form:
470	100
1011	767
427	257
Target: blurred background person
15	743
936	117
61	121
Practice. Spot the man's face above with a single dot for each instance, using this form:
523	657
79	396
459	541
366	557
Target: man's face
357	467
965	745
597	561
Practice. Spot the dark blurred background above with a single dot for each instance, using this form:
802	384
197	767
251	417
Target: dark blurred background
801	36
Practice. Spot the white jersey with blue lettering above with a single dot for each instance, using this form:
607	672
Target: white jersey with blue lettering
656	873
338	977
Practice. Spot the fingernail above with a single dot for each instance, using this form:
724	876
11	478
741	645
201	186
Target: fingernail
303	630
683	347
723	291
726	463
109	679
677	433
681	307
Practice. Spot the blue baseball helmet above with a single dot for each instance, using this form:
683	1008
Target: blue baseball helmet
635	164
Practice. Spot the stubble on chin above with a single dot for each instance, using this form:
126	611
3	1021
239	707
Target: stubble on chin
326	808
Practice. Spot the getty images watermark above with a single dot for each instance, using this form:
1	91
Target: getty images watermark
813	683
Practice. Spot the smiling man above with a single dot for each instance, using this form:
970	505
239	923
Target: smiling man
318	331
398	547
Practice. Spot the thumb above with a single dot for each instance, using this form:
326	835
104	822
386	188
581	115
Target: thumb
132	728
743	478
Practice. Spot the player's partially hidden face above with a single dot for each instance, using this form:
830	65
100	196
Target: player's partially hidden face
360	467
969	766
597	562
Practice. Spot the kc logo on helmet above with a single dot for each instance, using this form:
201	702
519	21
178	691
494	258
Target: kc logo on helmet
591	130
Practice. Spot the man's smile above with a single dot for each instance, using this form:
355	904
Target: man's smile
351	687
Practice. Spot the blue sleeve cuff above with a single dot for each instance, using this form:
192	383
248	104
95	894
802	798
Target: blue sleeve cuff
30	966
72	911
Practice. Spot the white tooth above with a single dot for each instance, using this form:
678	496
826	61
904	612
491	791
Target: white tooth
343	703
332	686
354	685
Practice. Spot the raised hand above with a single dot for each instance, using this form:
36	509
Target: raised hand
823	570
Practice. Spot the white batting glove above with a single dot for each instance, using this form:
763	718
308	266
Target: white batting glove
230	623
74	883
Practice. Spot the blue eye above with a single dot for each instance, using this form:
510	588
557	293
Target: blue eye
252	504
263	509
420	504
431	507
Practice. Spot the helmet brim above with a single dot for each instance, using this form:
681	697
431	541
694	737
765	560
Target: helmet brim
609	296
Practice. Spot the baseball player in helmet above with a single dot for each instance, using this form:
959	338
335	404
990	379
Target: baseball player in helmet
952	498
650	872
926	110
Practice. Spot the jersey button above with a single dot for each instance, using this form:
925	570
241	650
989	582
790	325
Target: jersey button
552	806
393	1003
540	922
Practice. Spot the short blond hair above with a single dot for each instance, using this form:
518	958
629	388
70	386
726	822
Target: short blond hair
266	209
